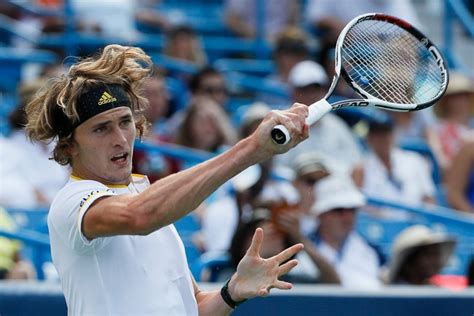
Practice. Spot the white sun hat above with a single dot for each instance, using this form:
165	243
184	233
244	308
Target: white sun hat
306	73
337	191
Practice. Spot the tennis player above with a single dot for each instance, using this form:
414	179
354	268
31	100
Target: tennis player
112	236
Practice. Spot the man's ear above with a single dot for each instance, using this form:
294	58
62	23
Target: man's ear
72	149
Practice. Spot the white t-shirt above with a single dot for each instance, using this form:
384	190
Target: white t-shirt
332	138
409	182
357	263
118	275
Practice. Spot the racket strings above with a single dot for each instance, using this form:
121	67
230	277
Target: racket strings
390	64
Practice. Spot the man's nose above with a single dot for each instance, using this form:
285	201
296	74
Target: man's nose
119	137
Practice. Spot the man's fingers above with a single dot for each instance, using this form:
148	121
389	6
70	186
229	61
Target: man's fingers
257	239
288	253
282	285
286	267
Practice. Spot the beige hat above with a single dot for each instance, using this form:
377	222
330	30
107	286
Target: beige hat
309	162
337	191
306	73
411	238
458	83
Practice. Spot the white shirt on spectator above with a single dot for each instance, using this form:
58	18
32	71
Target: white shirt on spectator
357	263
44	174
15	189
409	182
332	138
117	275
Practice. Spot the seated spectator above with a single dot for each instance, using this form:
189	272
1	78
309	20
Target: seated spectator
206	126
422	126
275	239
255	187
291	47
330	16
210	83
355	260
329	136
155	166
455	111
418	254
392	173
41	177
460	179
242	16
309	168
12	267
182	43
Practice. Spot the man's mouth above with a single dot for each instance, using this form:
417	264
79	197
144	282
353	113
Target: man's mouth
122	157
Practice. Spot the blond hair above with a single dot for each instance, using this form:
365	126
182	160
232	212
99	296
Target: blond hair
126	66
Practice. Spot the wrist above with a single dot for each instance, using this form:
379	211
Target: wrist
229	294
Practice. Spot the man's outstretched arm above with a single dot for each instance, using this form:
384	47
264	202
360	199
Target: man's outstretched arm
173	197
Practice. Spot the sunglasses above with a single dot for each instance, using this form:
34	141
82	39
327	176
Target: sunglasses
214	90
310	181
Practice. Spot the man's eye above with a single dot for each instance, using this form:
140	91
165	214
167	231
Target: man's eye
99	130
126	122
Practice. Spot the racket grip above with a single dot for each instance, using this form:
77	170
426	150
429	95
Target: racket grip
280	134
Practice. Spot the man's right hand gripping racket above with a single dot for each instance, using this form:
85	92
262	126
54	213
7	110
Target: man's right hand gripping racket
388	62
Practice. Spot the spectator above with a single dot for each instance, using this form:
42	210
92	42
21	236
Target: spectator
255	187
356	262
242	17
392	173
40	176
455	111
330	16
206	127
310	168
418	254
421	126
12	267
291	47
155	166
276	240
210	83
460	179
330	136
182	43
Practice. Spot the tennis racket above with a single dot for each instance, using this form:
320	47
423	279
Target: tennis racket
388	62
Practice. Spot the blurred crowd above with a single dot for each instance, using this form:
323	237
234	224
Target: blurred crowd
312	194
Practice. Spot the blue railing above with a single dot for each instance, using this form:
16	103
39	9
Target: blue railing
455	11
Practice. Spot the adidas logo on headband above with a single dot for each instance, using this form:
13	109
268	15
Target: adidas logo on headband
106	98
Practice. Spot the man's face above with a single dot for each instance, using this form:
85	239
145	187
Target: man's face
339	222
214	86
309	94
103	147
305	186
381	142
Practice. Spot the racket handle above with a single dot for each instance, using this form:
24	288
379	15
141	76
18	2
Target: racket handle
280	134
